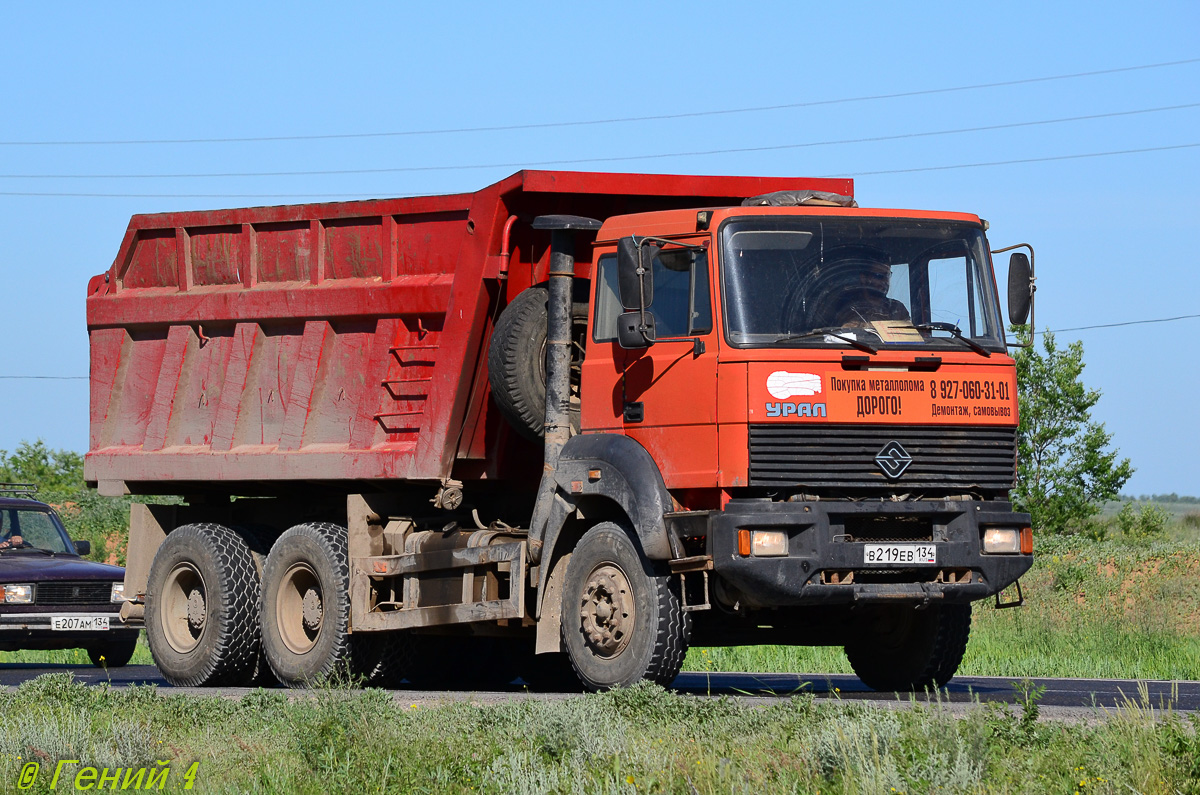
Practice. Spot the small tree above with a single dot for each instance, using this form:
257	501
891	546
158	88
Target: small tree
1065	469
49	470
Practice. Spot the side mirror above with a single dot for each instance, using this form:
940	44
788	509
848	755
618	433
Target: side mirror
1020	288
635	281
635	329
83	548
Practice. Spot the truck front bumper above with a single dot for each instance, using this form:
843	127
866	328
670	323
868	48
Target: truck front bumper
826	547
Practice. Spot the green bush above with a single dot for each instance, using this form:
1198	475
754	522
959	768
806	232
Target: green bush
1143	522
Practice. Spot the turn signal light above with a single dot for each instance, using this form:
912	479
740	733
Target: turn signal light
1026	540
744	543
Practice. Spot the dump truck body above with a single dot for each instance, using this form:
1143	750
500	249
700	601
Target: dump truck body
329	342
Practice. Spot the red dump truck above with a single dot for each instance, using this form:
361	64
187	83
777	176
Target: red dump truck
569	418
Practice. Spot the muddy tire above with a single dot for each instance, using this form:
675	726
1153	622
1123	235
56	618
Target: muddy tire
622	621
306	606
114	653
918	649
202	607
517	362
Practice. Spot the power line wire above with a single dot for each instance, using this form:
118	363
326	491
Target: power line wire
44	377
569	161
359	195
621	120
1115	325
1015	162
1046	331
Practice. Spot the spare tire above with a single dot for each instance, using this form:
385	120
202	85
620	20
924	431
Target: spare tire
517	361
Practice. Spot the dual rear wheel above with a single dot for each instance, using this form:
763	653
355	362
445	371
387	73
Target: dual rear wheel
217	614
220	612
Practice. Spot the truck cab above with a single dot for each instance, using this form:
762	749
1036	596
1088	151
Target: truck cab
827	394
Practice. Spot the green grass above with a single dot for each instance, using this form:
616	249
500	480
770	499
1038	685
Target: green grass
141	656
640	740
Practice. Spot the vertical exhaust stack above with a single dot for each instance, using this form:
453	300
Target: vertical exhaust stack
562	230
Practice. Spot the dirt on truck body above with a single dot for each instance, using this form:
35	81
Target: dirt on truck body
570	423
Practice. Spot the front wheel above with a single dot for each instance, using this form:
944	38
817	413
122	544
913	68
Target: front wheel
912	650
622	622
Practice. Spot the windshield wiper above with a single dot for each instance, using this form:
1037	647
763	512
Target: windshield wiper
829	332
956	332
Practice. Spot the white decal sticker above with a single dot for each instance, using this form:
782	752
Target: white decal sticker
782	384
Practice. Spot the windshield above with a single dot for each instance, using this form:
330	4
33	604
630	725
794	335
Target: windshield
26	528
879	281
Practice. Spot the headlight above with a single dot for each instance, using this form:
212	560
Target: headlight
762	543
1002	540
118	592
18	594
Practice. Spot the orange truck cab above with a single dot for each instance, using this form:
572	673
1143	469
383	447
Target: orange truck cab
430	438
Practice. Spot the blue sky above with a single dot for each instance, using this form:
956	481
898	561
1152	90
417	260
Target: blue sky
1114	234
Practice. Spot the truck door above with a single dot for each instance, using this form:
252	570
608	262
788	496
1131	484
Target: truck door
664	396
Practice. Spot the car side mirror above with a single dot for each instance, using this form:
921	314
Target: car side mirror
1020	288
635	329
635	273
83	548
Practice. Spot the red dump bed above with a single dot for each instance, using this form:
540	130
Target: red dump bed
332	342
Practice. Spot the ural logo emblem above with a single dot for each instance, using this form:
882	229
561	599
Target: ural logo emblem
893	459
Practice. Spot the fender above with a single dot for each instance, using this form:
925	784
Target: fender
628	475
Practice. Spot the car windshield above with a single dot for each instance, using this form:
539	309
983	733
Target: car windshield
31	529
885	282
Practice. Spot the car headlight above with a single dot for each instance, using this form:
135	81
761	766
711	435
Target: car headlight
1002	540
118	592
18	594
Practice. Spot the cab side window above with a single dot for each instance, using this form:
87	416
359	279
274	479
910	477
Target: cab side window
682	304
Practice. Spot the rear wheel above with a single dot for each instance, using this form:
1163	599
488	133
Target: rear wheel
201	607
306	605
914	649
621	621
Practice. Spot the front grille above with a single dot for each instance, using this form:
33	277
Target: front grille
84	592
878	529
843	456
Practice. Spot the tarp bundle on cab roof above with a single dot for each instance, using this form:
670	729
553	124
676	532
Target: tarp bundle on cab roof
796	198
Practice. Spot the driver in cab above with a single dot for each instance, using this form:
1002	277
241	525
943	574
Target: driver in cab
859	294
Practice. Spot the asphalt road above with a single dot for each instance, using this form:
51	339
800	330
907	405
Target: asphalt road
1068	698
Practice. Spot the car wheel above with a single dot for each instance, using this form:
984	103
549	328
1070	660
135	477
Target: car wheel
114	653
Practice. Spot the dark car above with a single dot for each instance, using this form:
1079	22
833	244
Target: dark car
53	599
